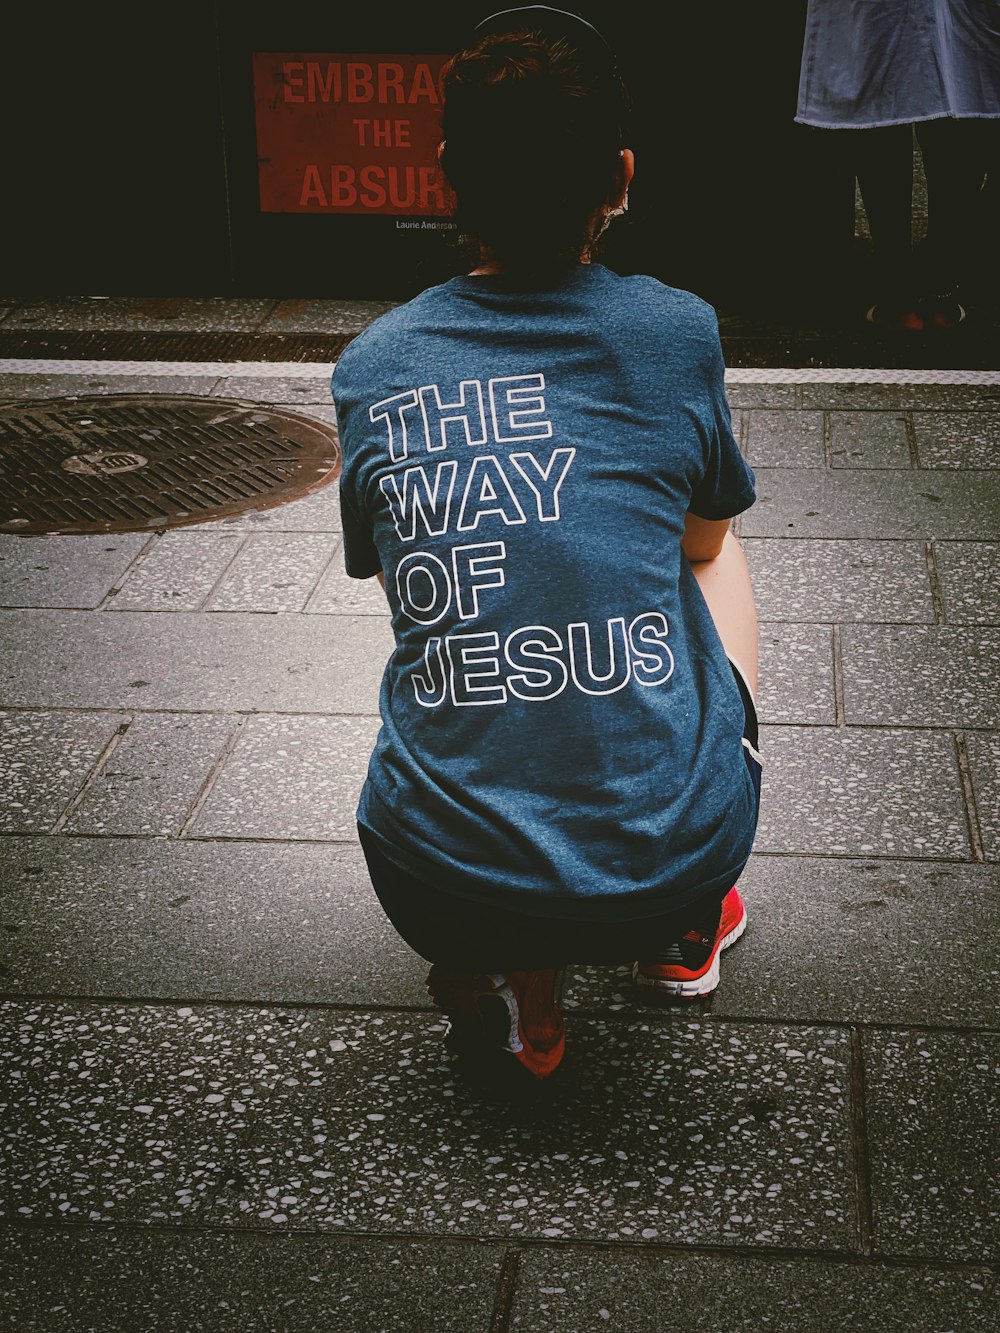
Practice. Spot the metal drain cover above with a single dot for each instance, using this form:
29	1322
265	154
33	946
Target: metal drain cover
133	462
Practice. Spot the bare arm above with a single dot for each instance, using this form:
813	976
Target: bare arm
703	537
719	566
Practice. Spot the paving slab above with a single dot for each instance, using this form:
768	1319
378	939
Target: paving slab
324	316
696	1132
44	760
289	778
949	397
883	504
324	412
319	512
572	1290
838	395
32	388
785	439
142	314
969	575
121	1280
275	571
297	389
917	675
841	580
77	571
274	663
830	940
957	439
869	439
796	674
761	395
934	1135
984	761
150	781
182	920
177	571
839	940
339	595
849	792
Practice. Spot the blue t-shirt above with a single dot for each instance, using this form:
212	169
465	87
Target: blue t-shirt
561	728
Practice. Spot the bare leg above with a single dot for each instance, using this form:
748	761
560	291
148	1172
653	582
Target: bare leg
725	585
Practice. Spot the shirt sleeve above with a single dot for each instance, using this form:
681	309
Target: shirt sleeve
727	486
361	558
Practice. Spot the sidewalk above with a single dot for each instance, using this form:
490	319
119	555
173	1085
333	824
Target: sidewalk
225	1104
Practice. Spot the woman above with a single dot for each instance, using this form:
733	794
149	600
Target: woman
540	468
880	74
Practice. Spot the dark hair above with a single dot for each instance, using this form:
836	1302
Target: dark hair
532	126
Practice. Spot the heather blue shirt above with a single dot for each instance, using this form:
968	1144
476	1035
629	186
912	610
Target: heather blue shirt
561	729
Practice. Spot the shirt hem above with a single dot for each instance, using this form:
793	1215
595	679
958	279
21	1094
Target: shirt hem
591	909
901	120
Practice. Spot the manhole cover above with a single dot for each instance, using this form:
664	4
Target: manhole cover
136	461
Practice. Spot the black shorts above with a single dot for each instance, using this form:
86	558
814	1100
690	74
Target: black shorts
453	931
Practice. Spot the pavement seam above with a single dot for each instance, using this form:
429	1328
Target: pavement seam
934	577
317	589
839	711
95	771
862	1155
911	439
213	776
145	549
351	840
206	602
682	1018
506	1285
969	796
651	1250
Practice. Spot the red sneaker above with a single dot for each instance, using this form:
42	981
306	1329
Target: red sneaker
517	1012
690	968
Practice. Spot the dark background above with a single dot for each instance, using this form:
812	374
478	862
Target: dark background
130	159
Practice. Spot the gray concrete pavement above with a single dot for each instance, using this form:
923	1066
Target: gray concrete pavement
224	1100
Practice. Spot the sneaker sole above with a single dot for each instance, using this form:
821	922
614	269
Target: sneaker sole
691	988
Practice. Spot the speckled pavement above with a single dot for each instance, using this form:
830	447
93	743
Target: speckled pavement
224	1103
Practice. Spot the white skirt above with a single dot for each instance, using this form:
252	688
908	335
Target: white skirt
892	62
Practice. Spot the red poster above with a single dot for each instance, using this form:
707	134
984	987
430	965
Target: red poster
349	133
